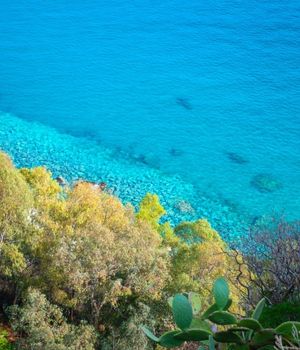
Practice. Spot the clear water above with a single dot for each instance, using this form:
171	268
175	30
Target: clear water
189	99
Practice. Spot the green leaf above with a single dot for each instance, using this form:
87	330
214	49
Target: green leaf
195	300
288	329
267	347
264	337
250	323
209	311
182	311
199	323
238	329
193	335
222	318
211	344
228	337
169	341
259	308
227	306
221	292
149	334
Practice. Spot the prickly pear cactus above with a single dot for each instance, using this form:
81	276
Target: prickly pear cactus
237	334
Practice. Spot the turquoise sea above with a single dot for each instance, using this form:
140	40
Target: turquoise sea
195	100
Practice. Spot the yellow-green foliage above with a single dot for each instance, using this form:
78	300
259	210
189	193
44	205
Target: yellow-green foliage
151	210
81	246
102	253
197	252
15	197
16	203
46	328
198	257
43	186
49	208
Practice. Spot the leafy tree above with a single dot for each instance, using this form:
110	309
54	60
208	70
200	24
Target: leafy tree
48	197
43	186
15	199
151	210
128	335
98	255
42	326
198	257
16	203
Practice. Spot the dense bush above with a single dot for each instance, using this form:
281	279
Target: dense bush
198	257
16	202
274	314
5	344
45	327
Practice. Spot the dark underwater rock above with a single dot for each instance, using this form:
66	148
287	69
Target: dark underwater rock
183	102
142	159
175	152
148	159
61	181
266	183
236	158
260	221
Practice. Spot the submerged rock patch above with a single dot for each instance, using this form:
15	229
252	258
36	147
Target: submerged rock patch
266	183
184	207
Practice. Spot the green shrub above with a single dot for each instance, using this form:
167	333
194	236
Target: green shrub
127	334
15	204
273	315
4	342
42	326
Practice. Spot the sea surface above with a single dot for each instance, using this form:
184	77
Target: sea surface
195	100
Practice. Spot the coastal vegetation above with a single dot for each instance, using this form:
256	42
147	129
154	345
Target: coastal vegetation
81	270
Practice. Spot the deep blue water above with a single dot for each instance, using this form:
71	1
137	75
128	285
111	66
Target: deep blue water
203	91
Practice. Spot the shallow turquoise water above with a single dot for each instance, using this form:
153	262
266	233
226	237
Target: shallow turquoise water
205	95
77	158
